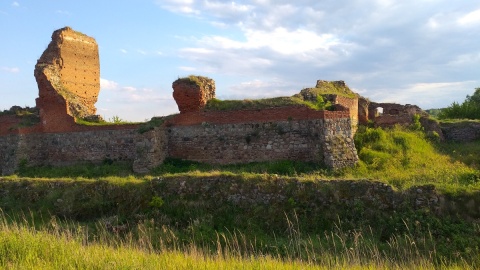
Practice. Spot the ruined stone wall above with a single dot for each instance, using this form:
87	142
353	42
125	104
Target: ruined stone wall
192	93
306	137
8	154
465	131
248	142
363	112
8	123
393	114
60	149
352	105
68	78
264	115
151	149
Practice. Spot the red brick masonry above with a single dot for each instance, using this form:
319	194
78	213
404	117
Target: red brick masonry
246	116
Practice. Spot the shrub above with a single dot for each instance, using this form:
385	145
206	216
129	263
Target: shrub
469	109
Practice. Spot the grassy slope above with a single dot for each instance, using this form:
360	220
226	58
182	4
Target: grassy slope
405	158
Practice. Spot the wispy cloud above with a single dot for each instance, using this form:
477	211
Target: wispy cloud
428	95
63	12
133	103
471	18
123	51
108	85
261	88
10	69
15	4
180	6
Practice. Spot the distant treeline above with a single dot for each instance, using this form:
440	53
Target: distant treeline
469	109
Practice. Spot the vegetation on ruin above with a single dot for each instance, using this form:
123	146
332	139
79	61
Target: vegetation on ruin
115	120
191	79
256	104
314	98
105	215
28	116
328	88
153	123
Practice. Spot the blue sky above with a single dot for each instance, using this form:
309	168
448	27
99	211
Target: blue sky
424	52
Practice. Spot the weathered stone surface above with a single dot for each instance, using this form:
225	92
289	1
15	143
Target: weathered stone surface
68	77
338	94
363	116
192	93
327	141
393	114
464	131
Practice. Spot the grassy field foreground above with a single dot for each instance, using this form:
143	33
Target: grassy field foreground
278	215
54	247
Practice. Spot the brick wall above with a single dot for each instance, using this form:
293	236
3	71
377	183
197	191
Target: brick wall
293	133
264	115
59	149
352	105
248	142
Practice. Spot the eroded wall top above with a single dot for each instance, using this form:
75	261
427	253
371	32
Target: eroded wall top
68	76
193	92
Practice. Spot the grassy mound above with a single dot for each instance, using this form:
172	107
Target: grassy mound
405	158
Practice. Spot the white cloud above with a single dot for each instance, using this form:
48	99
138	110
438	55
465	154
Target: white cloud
63	12
133	103
15	4
129	88
280	40
260	88
471	18
108	85
10	69
429	95
142	52
123	51
386	48
180	6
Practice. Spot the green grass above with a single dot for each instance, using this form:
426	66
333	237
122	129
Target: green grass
115	120
330	89
87	170
466	153
466	121
173	166
57	245
257	104
405	158
192	80
251	104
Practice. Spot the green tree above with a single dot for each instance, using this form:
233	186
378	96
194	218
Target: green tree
469	109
